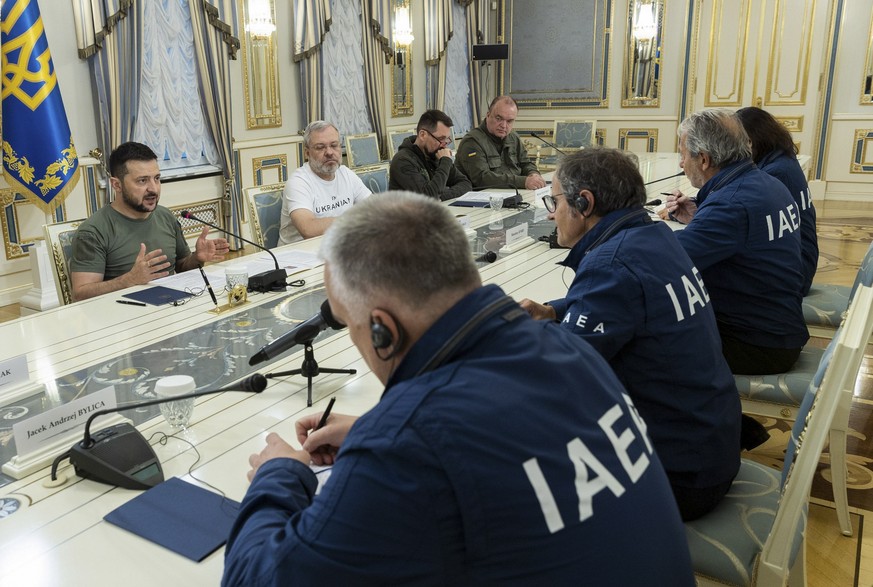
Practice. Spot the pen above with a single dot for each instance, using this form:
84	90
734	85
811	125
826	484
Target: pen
666	193
326	413
208	286
130	302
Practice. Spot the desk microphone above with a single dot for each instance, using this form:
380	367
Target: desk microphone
487	257
300	334
680	174
516	201
654	203
120	455
549	143
272	280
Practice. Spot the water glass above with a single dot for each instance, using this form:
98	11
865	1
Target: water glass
238	275
177	413
496	202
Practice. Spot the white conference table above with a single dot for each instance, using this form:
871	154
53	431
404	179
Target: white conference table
58	536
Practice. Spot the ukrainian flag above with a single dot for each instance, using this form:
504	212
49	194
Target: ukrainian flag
39	158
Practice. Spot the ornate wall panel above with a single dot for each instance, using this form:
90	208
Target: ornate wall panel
22	222
862	161
560	61
270	169
790	47
647	138
728	45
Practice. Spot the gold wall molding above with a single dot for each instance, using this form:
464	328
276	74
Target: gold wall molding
860	162
628	136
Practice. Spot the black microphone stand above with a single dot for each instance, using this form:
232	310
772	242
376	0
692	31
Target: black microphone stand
309	369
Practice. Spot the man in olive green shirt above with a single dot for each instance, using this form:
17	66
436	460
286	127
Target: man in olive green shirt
133	240
493	155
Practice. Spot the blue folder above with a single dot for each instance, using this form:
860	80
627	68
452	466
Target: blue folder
158	295
182	517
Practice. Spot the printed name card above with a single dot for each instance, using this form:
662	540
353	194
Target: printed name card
539	193
463	220
516	233
33	433
12	372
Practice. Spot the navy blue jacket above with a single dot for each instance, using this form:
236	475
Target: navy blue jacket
639	301
510	456
786	169
745	240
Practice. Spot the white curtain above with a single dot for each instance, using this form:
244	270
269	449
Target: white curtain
477	32
438	30
170	117
378	52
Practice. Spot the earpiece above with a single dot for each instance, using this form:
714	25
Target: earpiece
380	335
580	203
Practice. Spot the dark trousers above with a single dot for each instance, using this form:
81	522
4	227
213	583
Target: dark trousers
748	359
694	502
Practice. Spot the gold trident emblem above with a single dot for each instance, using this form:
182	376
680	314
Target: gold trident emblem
15	74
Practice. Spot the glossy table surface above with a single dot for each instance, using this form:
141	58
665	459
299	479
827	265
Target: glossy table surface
55	536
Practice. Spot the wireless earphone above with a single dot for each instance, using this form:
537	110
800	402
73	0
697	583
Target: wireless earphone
580	203
380	334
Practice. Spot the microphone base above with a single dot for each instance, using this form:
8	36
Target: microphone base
119	456
273	280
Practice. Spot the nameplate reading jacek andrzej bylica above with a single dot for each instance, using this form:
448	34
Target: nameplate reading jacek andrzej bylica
13	371
43	428
516	233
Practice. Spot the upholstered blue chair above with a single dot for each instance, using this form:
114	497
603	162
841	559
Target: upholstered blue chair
398	136
574	134
265	206
375	177
362	150
780	395
755	535
824	306
59	238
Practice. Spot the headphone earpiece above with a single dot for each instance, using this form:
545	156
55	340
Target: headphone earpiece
380	334
580	203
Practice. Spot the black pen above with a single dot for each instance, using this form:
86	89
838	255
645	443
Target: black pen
326	413
208	286
130	302
666	193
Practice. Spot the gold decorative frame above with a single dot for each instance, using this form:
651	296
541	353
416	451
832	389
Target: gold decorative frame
260	67
650	135
863	138
401	73
641	80
17	246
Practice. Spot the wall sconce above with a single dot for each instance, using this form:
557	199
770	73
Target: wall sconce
260	24
402	26
645	28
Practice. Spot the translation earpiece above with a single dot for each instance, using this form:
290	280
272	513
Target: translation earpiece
380	335
580	203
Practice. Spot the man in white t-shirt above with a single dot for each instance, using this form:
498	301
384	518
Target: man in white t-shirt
321	189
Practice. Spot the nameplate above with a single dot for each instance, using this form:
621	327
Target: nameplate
13	371
33	433
516	233
540	192
540	214
463	220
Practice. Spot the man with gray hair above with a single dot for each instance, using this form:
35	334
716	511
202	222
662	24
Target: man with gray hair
637	298
503	451
319	190
743	235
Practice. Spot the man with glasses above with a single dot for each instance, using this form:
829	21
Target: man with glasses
493	155
423	163
639	300
319	190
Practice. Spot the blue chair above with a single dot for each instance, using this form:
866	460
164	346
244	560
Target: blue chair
754	536
375	177
574	134
824	306
363	150
59	238
780	395
398	136
265	205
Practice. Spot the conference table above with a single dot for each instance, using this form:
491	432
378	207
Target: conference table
57	535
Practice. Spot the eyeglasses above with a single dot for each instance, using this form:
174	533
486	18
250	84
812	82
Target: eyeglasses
550	203
442	141
322	147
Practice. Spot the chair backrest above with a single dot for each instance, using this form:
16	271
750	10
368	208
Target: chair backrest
865	271
265	205
374	177
834	380
362	150
397	136
574	134
59	238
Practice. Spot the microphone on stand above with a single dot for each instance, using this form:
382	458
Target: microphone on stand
680	174
300	334
272	280
120	455
549	143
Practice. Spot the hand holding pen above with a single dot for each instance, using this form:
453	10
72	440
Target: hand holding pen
322	441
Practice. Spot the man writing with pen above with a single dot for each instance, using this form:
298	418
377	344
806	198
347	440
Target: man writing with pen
133	240
503	450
